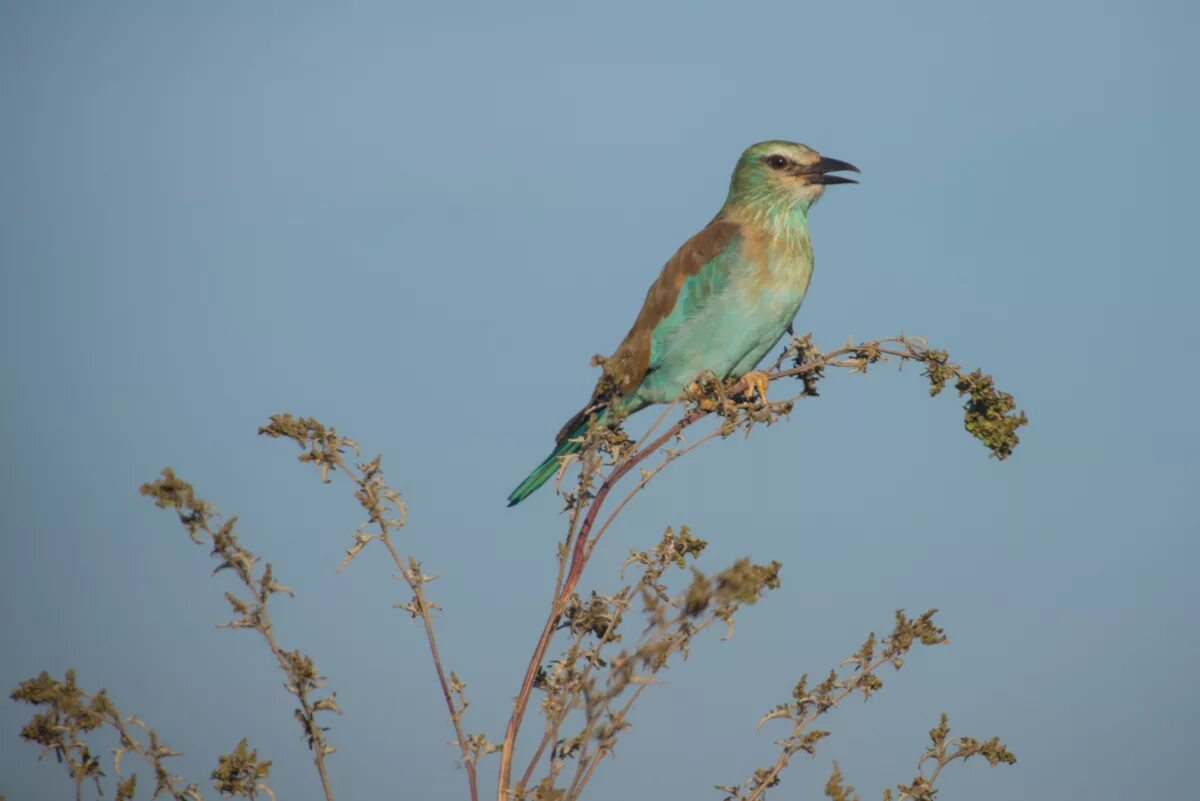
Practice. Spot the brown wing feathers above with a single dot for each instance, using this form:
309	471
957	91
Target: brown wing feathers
627	366
624	370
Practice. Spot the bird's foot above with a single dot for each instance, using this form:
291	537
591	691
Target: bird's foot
756	385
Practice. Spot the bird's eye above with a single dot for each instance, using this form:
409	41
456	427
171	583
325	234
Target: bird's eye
777	162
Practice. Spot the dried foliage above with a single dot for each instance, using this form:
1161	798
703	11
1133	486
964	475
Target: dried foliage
69	714
240	773
599	687
943	751
989	415
608	455
386	513
809	703
303	679
588	691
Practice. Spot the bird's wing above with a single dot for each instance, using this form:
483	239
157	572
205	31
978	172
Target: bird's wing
688	280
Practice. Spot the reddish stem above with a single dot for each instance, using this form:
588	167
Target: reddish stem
582	547
579	559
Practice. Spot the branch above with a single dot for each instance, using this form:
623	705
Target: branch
945	750
199	517
70	712
989	416
808	705
387	513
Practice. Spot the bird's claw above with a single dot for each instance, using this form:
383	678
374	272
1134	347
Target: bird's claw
756	385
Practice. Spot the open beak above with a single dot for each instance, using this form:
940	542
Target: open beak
821	172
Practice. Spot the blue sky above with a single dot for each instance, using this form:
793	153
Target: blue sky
418	221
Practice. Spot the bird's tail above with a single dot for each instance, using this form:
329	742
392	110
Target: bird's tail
567	444
542	473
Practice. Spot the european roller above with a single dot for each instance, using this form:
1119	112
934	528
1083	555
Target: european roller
722	301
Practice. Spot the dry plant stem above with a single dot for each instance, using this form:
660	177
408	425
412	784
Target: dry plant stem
645	479
582	550
79	775
550	736
302	696
785	755
582	547
585	768
571	531
586	765
553	726
654	426
197	516
584	542
641	453
128	742
937	771
263	625
522	700
552	731
578	560
415	584
455	714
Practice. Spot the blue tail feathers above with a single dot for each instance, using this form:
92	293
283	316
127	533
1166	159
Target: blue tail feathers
549	466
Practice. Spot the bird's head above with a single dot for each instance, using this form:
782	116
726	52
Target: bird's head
780	176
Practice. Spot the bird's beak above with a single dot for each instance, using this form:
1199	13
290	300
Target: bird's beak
820	172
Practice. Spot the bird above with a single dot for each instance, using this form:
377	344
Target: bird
722	302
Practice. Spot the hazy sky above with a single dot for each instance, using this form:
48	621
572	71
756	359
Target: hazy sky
418	221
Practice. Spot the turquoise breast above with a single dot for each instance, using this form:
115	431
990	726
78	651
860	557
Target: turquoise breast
748	305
